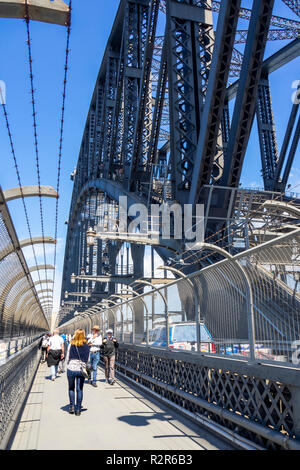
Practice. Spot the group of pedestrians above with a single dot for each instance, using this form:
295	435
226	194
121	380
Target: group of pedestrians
79	354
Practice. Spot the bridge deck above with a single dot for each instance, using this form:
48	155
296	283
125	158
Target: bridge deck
113	417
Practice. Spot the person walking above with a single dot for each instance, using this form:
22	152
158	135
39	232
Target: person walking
78	353
55	353
61	365
94	341
109	346
43	346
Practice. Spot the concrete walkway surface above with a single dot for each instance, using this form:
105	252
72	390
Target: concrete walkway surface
113	418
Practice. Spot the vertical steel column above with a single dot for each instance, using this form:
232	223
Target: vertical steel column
266	132
190	37
135	29
144	117
244	109
110	103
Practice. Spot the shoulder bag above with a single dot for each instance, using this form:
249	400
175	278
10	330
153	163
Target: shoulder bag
83	369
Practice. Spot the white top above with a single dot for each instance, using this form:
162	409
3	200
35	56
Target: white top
56	342
95	343
73	364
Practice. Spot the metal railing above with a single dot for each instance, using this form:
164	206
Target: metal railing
241	306
16	376
220	344
252	403
21	313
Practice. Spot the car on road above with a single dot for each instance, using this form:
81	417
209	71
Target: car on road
182	335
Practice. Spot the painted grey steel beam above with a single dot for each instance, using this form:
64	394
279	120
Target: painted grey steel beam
285	143
277	21
141	239
294	5
29	191
119	280
189	39
114	190
282	57
244	109
292	154
142	132
266	133
54	11
79	294
215	97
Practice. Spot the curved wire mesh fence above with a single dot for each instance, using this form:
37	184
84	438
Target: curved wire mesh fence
247	305
21	313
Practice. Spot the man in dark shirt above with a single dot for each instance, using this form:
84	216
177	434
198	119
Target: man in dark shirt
109	346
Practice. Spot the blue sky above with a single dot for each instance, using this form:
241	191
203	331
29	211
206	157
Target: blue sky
91	25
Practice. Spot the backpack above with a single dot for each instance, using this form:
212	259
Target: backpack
45	343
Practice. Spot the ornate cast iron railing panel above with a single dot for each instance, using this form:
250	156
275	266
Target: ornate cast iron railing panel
260	396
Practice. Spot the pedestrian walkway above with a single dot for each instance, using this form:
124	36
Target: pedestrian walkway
113	418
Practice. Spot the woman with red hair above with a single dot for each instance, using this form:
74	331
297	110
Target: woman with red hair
78	352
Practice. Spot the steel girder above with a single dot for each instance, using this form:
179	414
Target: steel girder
266	133
280	184
215	99
294	5
141	141
282	57
190	39
135	39
111	82
247	92
121	136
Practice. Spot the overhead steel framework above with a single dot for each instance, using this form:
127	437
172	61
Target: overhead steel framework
159	129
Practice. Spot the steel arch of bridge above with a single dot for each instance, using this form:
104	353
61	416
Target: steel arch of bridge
188	141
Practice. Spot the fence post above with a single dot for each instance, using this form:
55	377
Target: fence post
250	311
295	391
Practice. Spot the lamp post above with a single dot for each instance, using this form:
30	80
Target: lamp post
90	237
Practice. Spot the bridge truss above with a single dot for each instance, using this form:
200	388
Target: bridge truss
159	130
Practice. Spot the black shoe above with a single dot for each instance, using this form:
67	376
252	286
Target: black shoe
77	413
94	384
71	409
113	382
